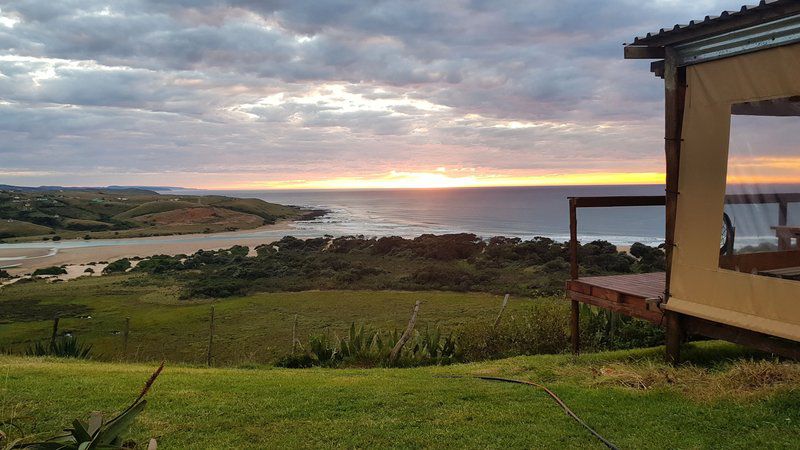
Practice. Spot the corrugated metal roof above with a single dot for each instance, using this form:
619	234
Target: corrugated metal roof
748	15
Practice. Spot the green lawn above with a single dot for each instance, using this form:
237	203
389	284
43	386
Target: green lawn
256	328
629	397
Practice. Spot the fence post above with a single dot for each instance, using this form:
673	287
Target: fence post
406	335
210	338
500	314
125	332
294	336
53	335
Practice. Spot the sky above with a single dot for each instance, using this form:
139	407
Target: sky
246	94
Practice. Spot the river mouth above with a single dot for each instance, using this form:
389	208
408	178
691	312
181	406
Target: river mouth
9	255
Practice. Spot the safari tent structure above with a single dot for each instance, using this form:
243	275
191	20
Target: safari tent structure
744	62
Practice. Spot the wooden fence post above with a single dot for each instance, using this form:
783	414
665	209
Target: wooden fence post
575	327
125	332
294	336
406	335
54	334
210	338
500	314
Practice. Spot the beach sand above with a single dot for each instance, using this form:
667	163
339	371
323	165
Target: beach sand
26	260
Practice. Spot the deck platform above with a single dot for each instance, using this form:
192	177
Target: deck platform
626	294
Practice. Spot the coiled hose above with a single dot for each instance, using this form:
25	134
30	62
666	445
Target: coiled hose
560	403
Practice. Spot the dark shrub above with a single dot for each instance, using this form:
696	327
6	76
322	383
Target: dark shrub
448	246
52	270
389	244
160	264
118	266
650	259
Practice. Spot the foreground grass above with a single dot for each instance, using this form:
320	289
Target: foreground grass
256	328
712	403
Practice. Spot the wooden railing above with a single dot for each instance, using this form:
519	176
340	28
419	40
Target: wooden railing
782	199
600	202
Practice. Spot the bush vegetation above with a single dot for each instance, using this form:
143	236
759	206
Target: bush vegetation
120	265
52	270
538	329
456	262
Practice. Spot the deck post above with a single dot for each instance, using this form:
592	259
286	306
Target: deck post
575	318
573	238
674	337
575	327
674	100
784	242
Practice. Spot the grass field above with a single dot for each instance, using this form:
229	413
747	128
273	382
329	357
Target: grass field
629	397
9	227
253	328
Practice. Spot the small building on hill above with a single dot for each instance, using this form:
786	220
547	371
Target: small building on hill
732	200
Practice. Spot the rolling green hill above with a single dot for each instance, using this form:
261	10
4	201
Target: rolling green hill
37	214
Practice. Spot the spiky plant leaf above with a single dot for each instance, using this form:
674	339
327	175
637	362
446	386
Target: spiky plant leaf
110	432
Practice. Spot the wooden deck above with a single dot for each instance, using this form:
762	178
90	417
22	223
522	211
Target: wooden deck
626	294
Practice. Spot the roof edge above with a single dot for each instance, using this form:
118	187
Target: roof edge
765	11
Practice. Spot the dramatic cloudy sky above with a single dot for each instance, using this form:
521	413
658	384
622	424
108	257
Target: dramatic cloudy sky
341	93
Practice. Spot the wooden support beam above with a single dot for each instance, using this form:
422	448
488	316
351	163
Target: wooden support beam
638	310
674	337
657	68
783	213
575	327
674	101
573	239
642	52
617	200
748	338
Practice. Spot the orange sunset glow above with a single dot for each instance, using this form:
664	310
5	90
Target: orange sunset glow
442	179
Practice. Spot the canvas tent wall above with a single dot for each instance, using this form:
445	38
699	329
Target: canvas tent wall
699	287
745	61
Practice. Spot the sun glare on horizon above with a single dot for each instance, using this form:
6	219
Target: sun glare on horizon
441	178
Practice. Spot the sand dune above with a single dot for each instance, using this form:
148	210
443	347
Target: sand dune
20	260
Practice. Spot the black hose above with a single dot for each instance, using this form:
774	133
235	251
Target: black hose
560	403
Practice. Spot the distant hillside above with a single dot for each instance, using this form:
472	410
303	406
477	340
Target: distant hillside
36	213
9	187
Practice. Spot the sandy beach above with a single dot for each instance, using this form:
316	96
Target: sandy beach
20	260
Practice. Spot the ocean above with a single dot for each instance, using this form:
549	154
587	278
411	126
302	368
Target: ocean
522	212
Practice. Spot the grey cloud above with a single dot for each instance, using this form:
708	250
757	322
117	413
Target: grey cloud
142	86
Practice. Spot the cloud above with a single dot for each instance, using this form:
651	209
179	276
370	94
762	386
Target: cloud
132	89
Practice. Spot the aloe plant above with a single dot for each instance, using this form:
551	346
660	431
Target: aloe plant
65	347
364	346
97	433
